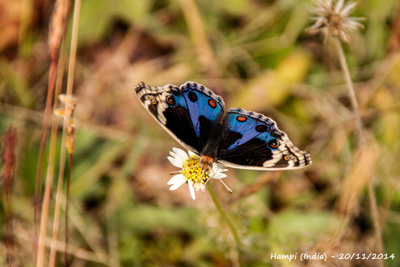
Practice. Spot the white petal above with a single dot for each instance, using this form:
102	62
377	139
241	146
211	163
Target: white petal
176	178
191	190
179	152
219	176
192	153
176	183
177	162
178	157
218	168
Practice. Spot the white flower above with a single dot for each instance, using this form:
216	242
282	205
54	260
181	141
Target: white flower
192	171
333	19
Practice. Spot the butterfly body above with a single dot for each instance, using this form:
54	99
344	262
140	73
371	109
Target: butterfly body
197	119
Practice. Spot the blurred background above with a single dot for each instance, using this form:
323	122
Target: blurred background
257	56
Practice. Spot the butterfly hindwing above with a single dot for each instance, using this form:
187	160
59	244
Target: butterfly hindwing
252	140
187	113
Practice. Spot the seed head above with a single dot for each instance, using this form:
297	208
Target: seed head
332	19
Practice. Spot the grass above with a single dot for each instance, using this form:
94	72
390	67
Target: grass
254	54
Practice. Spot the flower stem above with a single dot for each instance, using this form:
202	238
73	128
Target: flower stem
352	94
354	103
225	216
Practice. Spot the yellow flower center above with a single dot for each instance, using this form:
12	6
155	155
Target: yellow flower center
192	170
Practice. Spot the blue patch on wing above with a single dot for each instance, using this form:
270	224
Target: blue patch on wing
246	129
201	102
246	123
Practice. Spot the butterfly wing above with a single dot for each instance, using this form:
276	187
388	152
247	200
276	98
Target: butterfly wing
253	141
187	113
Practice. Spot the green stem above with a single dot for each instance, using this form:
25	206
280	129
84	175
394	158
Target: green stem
225	216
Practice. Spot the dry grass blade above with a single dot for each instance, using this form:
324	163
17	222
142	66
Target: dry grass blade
357	178
56	32
53	251
352	187
361	141
68	119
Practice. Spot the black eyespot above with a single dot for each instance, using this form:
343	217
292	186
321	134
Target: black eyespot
171	100
261	128
192	97
273	143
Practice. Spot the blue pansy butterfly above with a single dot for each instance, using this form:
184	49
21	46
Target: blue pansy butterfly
196	118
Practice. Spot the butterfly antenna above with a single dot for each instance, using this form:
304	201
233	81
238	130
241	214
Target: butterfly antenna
230	191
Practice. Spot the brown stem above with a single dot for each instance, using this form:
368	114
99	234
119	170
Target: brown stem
66	210
354	103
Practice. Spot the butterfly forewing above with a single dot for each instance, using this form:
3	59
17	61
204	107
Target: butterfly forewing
188	113
167	105
206	110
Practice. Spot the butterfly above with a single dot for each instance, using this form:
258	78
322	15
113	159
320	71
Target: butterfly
196	117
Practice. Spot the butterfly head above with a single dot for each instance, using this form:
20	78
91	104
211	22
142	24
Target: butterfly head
206	163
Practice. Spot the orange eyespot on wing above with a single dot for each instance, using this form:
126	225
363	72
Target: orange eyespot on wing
171	100
273	144
241	118
212	103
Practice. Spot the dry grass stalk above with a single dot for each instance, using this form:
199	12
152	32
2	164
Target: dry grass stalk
361	141
6	178
350	87
69	123
334	22
56	32
56	220
198	34
364	162
357	177
23	236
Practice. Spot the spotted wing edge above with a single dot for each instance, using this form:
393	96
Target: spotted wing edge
203	89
